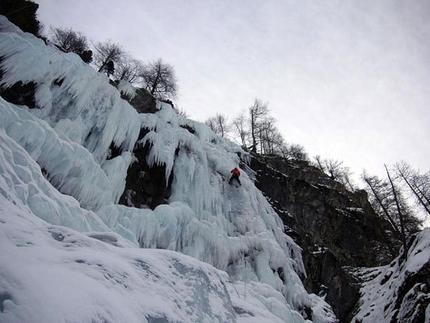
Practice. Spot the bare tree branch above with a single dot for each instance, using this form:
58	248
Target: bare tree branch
160	80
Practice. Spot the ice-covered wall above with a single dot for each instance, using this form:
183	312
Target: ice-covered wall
68	135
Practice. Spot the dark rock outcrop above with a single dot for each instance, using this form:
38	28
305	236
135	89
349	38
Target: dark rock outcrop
146	186
22	13
20	94
143	101
335	227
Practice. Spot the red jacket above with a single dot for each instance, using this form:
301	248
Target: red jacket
235	171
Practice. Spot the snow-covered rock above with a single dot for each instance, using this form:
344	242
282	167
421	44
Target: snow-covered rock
400	291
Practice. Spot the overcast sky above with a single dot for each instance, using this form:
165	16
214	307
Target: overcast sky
348	80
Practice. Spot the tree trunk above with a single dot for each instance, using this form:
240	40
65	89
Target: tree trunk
402	226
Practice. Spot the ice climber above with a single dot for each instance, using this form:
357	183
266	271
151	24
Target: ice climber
235	173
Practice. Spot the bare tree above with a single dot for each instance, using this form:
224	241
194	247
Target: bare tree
218	124
332	168
160	79
380	199
336	171
320	163
129	69
388	200
239	124
419	184
68	40
105	53
294	152
271	140
211	123
401	210
257	113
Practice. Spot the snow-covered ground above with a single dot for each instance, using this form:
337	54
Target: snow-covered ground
399	291
70	253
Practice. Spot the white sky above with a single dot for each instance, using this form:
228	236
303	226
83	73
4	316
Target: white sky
348	80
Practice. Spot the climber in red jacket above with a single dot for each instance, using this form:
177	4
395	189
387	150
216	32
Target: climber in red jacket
235	173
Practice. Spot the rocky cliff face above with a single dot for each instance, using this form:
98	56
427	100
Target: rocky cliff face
336	228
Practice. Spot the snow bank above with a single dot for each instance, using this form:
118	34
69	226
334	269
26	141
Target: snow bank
53	274
398	292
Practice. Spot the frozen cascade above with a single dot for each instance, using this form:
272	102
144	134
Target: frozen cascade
68	136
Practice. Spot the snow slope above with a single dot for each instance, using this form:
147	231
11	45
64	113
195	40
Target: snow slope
70	253
399	291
